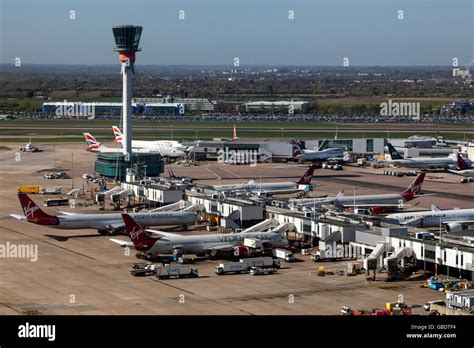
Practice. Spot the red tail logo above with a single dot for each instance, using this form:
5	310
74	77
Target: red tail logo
94	145
234	135
306	178
140	239
34	214
415	188
295	148
118	134
461	163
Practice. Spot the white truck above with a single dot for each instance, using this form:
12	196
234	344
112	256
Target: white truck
178	271
262	271
286	255
143	269
261	262
253	243
231	267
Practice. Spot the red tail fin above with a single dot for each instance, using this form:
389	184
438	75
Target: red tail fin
118	134
295	148
234	135
415	188
140	239
34	214
306	178
461	163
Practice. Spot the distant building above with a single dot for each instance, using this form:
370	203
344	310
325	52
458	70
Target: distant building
285	106
80	108
196	104
190	104
459	107
163	109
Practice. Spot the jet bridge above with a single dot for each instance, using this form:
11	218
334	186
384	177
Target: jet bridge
262	226
102	196
376	257
399	256
283	227
180	205
119	197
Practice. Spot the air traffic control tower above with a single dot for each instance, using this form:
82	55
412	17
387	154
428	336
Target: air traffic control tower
127	39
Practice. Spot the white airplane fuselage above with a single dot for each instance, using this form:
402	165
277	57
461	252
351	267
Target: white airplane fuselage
425	163
204	243
347	201
433	218
322	155
256	187
105	221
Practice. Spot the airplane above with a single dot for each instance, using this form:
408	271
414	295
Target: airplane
234	136
301	154
29	148
420	162
168	148
464	168
376	204
204	244
95	146
271	187
109	223
453	220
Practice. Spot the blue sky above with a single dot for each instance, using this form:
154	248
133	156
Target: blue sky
322	32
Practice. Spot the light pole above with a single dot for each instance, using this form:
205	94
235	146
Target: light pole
355	190
72	169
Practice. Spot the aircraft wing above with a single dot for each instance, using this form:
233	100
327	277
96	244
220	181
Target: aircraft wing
122	243
62	212
19	217
464	223
221	247
161	233
412	222
116	226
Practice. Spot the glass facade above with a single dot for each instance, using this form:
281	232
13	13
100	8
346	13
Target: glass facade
127	37
345	145
370	145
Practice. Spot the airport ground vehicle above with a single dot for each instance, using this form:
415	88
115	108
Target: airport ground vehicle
58	175
143	269
53	202
261	262
262	271
231	267
286	255
51	190
178	271
29	189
